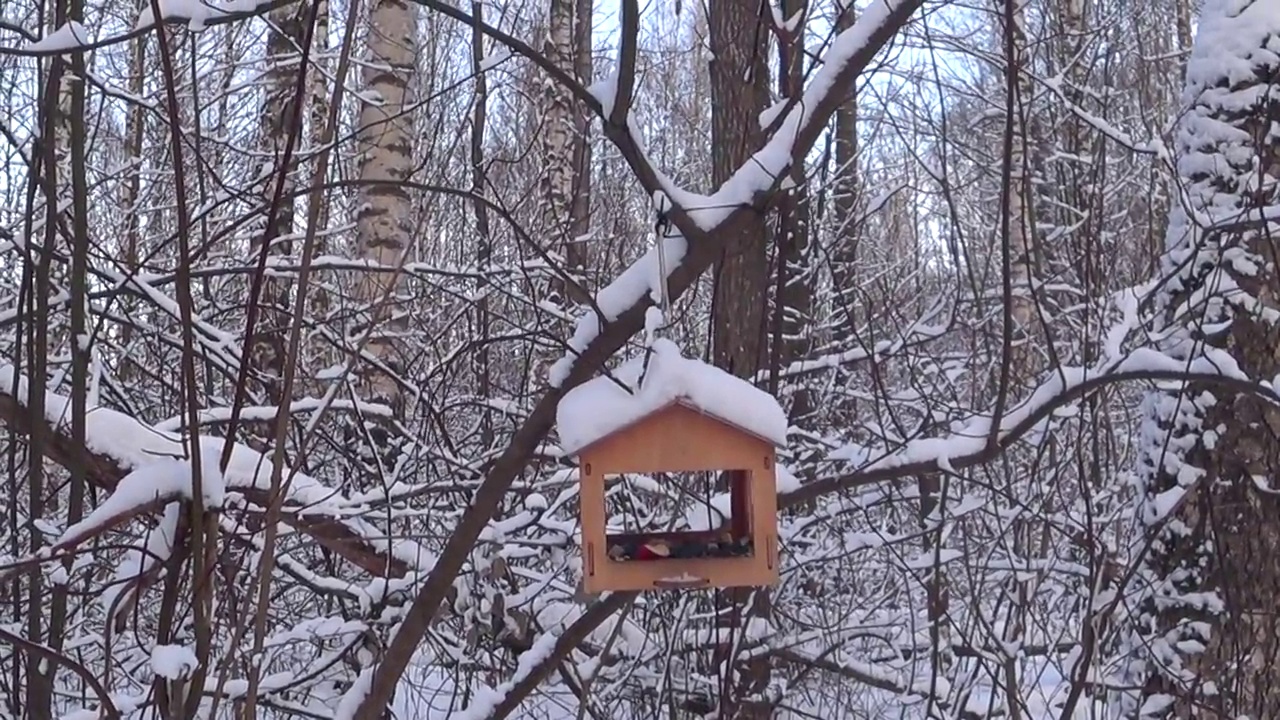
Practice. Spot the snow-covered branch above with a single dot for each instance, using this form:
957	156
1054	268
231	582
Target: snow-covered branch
117	445
972	441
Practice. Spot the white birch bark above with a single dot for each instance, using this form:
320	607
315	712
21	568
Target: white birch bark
385	143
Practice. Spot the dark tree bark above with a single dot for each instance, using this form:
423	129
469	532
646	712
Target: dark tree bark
739	93
793	309
845	193
1207	643
739	76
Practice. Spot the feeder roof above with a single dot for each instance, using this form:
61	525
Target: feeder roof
605	405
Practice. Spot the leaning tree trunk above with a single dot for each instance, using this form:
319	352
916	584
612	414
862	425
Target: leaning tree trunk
1206	637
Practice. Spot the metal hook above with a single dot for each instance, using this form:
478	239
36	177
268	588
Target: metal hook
660	229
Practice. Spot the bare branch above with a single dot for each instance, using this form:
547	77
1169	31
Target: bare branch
626	64
107	708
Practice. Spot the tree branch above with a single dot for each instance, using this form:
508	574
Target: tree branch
223	17
851	53
904	463
572	637
104	472
626	64
106	707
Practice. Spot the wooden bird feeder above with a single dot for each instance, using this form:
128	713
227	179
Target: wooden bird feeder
676	430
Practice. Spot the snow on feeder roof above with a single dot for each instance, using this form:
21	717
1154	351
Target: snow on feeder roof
602	406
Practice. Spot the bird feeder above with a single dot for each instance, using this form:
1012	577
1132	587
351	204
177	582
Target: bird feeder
684	416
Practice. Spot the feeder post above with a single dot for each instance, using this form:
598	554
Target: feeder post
592	513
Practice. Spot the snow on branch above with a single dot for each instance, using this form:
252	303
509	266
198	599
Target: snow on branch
140	561
264	413
157	482
69	36
918	332
144	466
637	281
701	217
973	440
197	14
691	250
798	123
487	700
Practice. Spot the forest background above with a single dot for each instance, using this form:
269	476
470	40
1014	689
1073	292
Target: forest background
1006	263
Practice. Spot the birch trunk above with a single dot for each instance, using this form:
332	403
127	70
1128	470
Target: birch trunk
385	142
317	116
559	146
1018	235
565	184
284	43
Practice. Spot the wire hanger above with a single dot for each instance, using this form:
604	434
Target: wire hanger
661	230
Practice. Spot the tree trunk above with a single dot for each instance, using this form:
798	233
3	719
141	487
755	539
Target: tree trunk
1020	193
318	94
560	147
739	93
1207	641
484	240
845	193
130	194
284	43
385	141
55	149
1020	262
582	65
794	291
566	174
